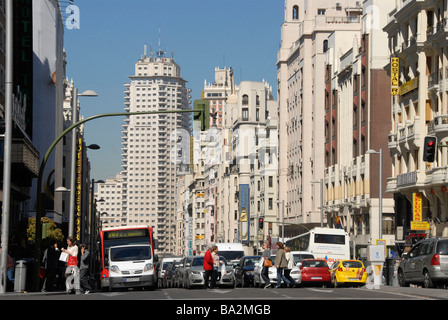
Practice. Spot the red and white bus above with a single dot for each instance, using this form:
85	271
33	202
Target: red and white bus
111	238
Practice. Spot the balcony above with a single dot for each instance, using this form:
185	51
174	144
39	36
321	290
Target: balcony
439	126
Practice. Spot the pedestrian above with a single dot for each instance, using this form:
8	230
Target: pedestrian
50	263
287	270
280	264
215	257
10	268
84	268
266	255
72	270
208	266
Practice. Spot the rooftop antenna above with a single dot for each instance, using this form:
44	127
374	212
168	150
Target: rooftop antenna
160	51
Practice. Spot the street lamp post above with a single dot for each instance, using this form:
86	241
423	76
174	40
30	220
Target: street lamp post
283	218
40	209
321	181
380	183
7	145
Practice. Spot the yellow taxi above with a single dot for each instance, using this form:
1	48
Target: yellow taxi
348	272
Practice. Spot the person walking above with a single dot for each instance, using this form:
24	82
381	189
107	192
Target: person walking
266	260
208	266
50	264
72	270
280	264
84	274
10	269
215	257
287	271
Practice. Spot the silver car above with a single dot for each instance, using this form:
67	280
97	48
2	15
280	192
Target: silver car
426	263
194	275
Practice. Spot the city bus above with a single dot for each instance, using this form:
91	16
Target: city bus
324	243
124	236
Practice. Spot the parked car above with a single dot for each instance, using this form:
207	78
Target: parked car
194	274
314	272
162	266
226	274
299	256
348	272
244	271
170	274
426	263
272	272
179	278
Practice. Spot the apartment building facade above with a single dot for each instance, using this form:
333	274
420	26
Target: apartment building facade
301	99
417	40
149	143
357	108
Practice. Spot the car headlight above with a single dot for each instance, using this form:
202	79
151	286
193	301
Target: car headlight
295	272
196	273
114	269
147	267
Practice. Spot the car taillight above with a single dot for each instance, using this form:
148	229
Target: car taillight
340	269
435	261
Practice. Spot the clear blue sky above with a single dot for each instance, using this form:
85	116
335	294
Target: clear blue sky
201	34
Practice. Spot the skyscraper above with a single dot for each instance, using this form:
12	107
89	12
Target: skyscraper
149	145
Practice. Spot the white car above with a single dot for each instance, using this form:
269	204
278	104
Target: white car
295	272
258	280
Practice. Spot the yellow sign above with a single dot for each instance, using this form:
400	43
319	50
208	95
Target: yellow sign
409	86
419	225
417	206
394	76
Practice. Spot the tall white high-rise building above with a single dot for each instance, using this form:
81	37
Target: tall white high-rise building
150	162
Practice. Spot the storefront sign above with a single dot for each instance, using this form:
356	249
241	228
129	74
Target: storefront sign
394	76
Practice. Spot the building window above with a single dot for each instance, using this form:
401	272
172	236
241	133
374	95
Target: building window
245	114
295	13
245	100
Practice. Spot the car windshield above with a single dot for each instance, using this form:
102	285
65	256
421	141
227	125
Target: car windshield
352	264
442	247
130	253
250	261
315	264
198	261
231	255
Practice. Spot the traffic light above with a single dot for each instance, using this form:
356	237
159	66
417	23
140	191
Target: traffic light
203	114
260	222
429	149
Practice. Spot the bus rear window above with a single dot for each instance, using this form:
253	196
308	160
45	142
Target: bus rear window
329	238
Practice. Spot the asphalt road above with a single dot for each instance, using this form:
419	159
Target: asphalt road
238	303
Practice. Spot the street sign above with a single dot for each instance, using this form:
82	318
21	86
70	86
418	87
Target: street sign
417	206
419	225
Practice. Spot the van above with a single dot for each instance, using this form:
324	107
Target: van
131	266
231	251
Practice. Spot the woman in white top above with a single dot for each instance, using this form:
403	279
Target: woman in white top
72	271
287	270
